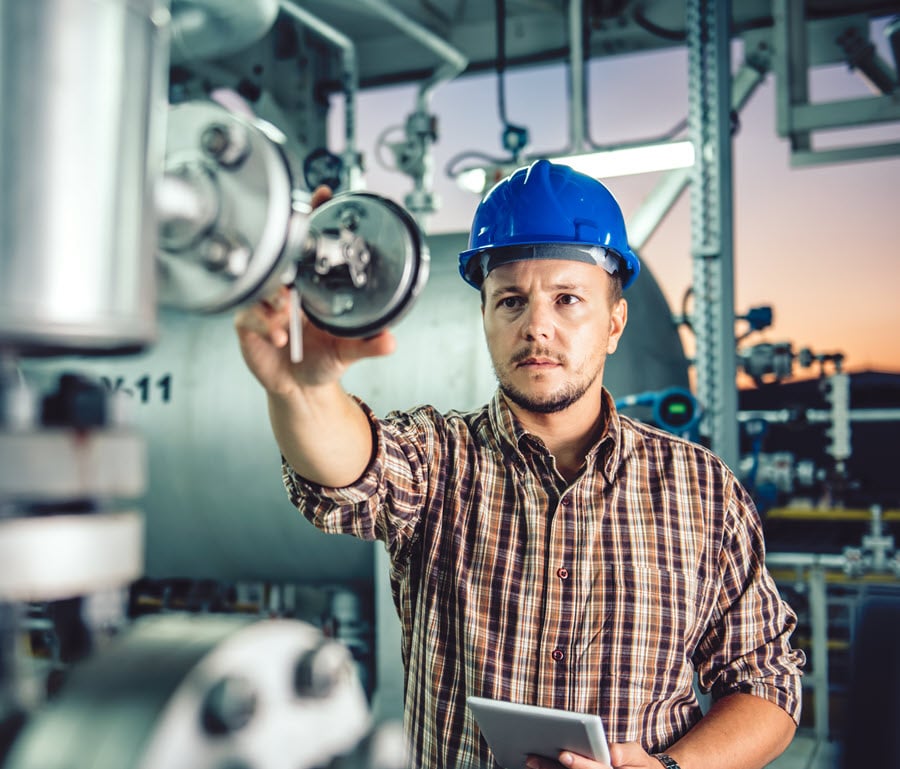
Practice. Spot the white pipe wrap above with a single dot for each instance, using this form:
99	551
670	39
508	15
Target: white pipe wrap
209	29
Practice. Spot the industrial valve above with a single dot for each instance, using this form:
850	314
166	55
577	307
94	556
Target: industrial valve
234	226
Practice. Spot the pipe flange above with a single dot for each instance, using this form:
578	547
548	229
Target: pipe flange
240	242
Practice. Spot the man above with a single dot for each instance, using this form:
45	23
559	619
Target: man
544	549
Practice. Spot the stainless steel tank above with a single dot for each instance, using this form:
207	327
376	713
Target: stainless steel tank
216	507
82	84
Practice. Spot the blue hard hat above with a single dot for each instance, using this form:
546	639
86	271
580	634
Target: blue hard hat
548	211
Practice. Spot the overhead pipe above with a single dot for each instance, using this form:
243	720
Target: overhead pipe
349	82
414	155
576	77
577	95
454	61
209	29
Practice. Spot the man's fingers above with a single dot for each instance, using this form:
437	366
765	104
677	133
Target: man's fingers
576	761
277	302
255	323
267	319
320	195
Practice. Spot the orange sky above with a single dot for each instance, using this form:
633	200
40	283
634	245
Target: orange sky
819	244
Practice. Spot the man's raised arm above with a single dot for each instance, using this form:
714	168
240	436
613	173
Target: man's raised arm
321	431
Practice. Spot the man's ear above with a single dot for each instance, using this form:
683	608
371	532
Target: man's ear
618	318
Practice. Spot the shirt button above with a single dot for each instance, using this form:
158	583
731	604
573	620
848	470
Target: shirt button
565	501
558	654
562	572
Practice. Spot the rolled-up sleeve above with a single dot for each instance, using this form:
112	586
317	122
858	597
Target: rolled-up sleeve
747	648
385	503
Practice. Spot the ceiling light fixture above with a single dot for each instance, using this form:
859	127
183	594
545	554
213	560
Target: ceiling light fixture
603	164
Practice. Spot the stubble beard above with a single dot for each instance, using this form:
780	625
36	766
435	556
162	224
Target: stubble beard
553	403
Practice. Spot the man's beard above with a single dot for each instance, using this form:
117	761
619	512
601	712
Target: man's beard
553	403
550	405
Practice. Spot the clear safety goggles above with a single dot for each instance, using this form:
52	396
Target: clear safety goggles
602	257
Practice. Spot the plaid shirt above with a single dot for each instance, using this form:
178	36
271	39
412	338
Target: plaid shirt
603	596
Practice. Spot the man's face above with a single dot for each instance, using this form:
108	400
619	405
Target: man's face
549	327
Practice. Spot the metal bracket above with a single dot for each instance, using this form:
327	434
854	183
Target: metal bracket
801	44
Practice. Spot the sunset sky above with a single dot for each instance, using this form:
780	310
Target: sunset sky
818	244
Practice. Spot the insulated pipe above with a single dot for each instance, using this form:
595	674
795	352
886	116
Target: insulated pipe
208	29
455	62
81	142
349	79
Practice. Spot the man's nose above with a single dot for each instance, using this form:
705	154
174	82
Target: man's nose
538	321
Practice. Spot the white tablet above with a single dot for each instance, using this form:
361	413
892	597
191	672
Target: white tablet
516	731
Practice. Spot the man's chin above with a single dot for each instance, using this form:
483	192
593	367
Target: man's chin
541	402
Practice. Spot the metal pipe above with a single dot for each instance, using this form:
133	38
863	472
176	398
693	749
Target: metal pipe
420	132
455	61
208	29
656	205
803	560
577	95
187	206
892	34
349	80
782	416
83	94
861	55
818	620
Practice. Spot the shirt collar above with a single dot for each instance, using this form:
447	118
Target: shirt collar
608	449
604	454
507	428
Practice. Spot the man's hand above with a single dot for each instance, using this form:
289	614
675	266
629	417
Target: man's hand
263	335
321	431
262	331
624	755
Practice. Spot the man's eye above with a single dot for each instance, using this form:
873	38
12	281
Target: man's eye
569	299
510	302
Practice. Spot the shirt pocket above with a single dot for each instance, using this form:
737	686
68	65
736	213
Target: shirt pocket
653	618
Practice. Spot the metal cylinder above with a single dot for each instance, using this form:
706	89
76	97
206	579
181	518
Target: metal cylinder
81	139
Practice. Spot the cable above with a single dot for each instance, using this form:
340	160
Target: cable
514	137
452	172
674	131
685	318
675	35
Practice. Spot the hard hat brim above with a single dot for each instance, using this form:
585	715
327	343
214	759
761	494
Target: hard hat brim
476	263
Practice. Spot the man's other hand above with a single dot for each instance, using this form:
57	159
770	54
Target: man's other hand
624	755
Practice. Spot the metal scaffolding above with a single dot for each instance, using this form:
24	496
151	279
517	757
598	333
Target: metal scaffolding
712	247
